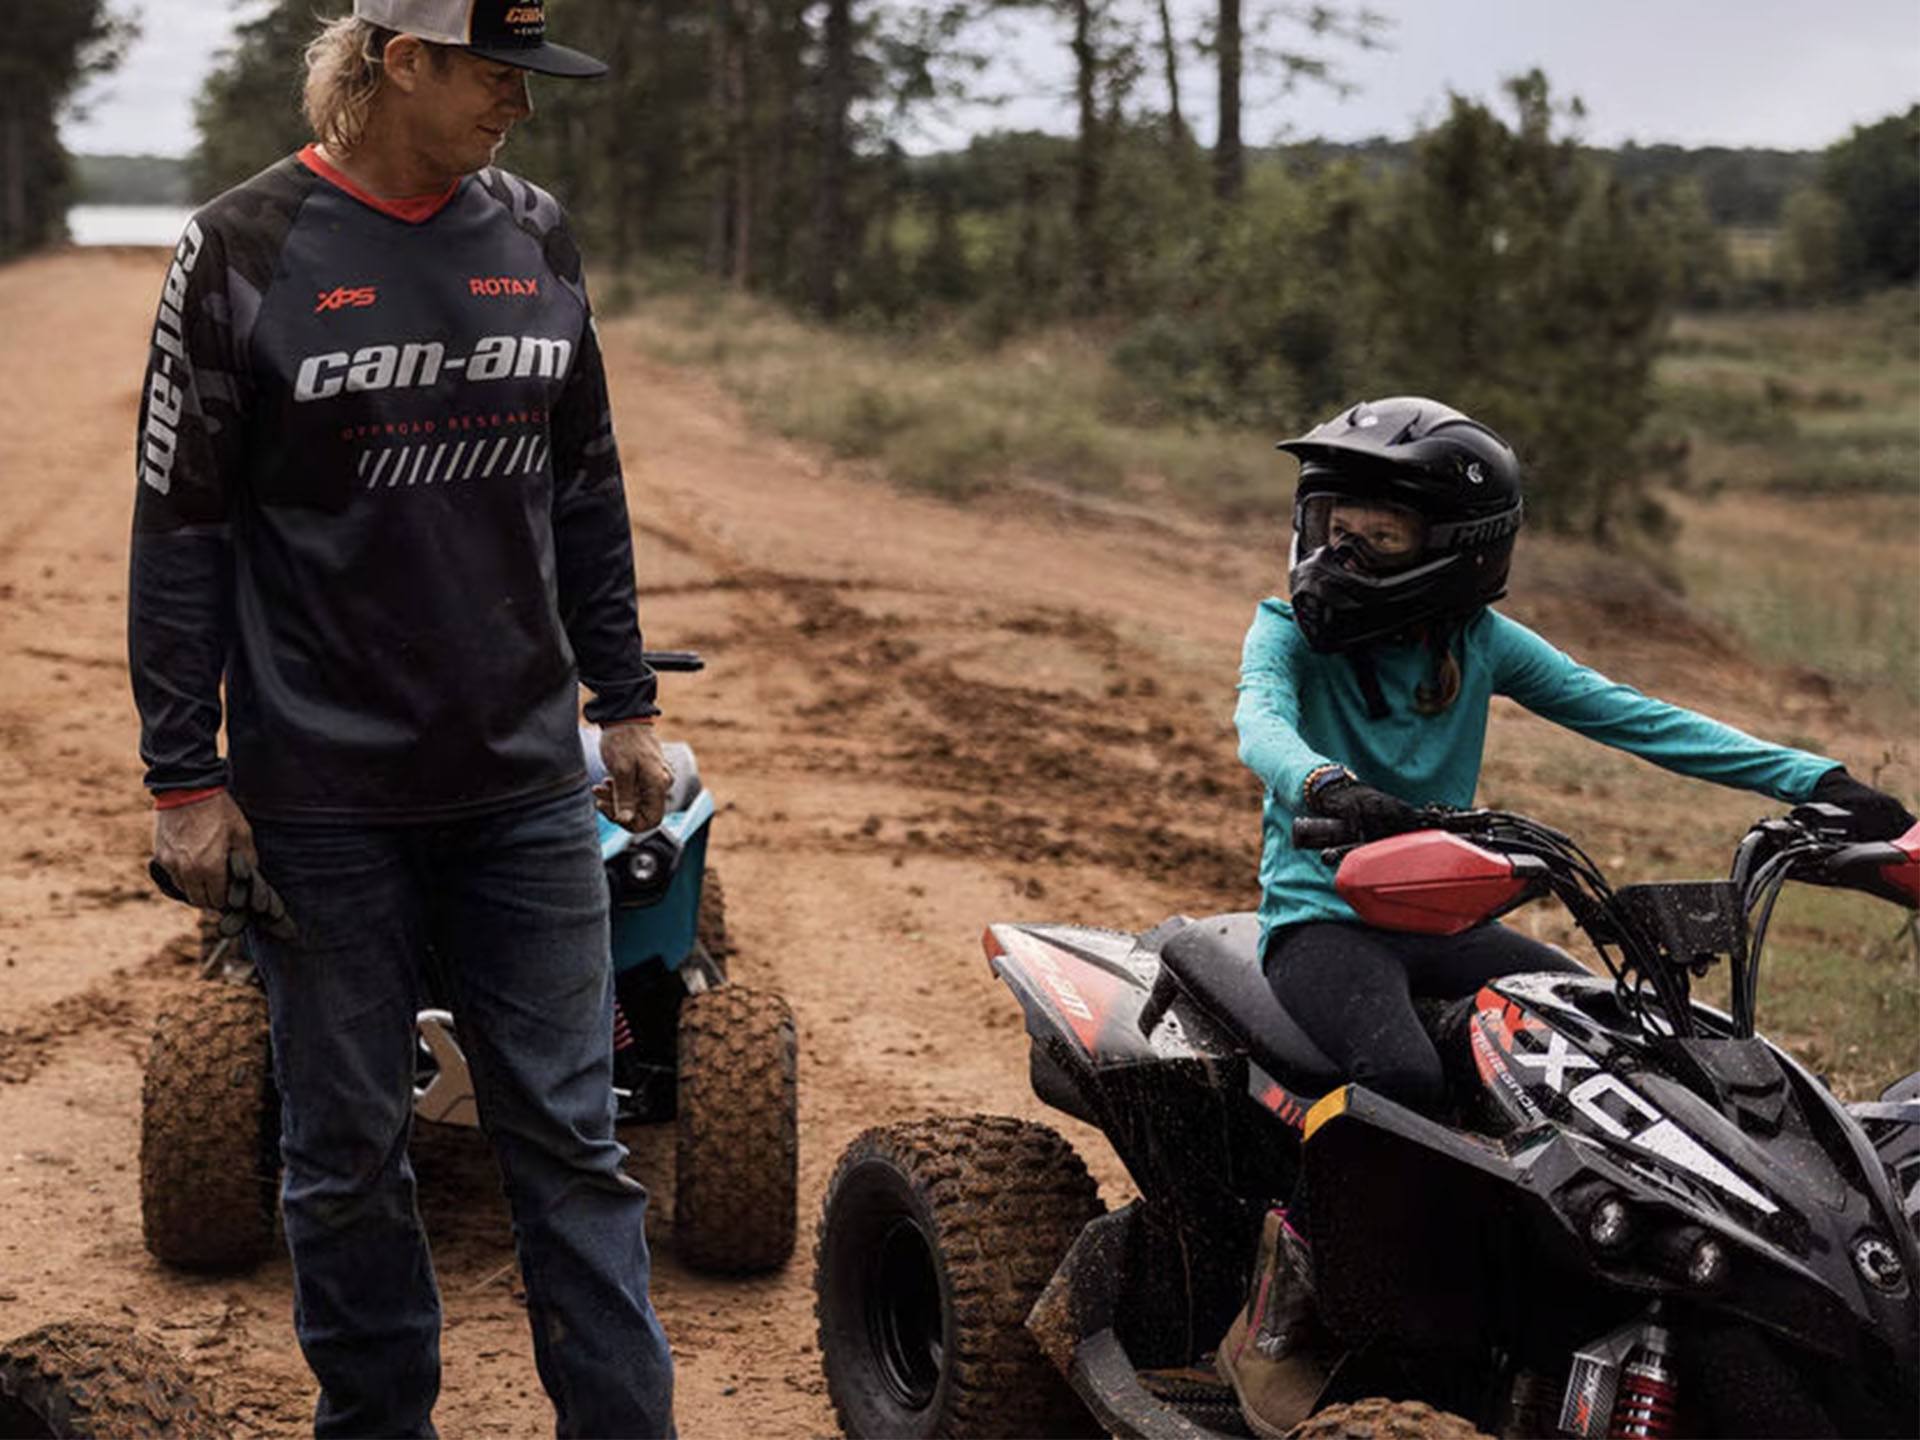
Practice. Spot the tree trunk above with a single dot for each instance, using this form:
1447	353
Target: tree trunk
831	228
1170	55
1229	160
719	121
13	165
1088	245
741	86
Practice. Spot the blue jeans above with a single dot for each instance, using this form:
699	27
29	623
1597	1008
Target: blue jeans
512	907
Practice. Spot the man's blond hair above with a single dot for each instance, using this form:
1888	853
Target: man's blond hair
345	69
343	76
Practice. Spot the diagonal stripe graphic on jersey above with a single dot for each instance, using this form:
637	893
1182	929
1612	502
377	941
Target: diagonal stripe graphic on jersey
419	462
365	455
538	457
493	460
434	468
378	466
513	465
453	462
479	448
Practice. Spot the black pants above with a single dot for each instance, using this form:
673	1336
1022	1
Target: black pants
1352	987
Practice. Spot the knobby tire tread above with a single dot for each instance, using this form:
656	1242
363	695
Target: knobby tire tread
209	1165
736	1172
100	1381
1385	1420
1007	1198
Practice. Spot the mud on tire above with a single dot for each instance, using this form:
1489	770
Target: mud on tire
100	1381
209	1131
936	1238
736	1169
1384	1420
710	921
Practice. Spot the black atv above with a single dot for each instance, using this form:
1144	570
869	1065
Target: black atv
1640	1218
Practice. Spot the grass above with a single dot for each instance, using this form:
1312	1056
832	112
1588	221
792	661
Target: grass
939	413
1801	528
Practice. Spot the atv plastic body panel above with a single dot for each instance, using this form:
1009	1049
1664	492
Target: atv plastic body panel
1431	882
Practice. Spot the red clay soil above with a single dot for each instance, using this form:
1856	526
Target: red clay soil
917	719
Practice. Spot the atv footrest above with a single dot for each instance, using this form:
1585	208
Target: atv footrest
1072	1322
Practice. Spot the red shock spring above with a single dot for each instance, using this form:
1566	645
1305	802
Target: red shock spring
622	1036
1645	1408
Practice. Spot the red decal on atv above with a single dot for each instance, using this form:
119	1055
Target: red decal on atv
1289	1110
1429	882
1082	993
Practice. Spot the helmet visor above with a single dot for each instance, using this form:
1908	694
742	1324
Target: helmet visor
1372	537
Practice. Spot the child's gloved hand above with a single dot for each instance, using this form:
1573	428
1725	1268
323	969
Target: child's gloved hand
1368	813
1871	814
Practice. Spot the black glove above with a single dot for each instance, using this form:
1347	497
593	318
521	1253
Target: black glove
1367	813
249	900
1871	814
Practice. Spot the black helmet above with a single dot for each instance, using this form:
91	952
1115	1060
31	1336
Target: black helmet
1405	515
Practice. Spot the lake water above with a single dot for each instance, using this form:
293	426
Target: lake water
127	224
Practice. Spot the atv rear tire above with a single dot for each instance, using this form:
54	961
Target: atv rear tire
936	1238
710	921
99	1381
210	1131
1384	1420
736	1171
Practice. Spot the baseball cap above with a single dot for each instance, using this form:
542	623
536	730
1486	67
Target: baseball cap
509	32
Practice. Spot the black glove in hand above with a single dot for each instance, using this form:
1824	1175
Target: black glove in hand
1367	813
1871	814
249	899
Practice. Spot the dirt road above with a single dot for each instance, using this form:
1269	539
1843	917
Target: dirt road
918	718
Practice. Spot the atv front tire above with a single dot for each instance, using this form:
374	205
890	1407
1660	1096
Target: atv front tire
99	1381
736	1170
936	1238
210	1131
710	921
1384	1420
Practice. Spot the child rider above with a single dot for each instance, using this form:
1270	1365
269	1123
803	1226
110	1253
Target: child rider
1366	697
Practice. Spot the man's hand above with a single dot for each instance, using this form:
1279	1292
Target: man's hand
634	794
192	842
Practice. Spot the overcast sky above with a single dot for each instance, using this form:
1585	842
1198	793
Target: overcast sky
1795	74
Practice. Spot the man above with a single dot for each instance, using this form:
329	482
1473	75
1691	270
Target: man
380	496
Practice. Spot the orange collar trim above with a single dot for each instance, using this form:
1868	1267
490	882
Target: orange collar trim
414	210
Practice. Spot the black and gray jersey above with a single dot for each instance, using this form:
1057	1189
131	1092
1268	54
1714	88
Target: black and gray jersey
380	497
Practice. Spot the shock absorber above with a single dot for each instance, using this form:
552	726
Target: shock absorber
1644	1406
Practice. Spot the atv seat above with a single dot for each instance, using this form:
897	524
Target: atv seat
1217	963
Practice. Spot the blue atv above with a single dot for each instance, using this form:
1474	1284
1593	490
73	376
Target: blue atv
717	1060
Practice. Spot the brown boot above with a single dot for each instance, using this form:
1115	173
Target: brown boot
1274	1355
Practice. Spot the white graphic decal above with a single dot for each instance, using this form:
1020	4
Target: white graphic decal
1661	1137
1558	1058
419	365
166	399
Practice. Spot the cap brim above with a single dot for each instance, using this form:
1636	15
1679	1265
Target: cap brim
546	59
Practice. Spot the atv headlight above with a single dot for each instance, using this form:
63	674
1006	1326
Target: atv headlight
642	874
1610	1225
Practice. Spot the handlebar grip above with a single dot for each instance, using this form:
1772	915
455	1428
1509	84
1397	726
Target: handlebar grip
1316	832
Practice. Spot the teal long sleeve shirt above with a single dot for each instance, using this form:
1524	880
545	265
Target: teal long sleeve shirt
1299	711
